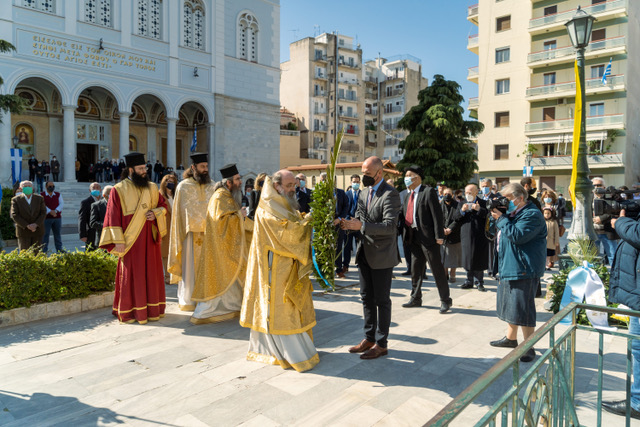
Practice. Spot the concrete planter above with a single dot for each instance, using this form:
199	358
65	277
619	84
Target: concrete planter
48	310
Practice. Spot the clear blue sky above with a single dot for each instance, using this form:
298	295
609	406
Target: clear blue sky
435	31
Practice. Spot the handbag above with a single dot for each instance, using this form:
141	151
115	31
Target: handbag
561	230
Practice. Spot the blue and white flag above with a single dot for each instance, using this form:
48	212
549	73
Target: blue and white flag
194	141
527	171
16	164
607	72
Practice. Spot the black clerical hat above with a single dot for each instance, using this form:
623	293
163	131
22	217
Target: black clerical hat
199	158
229	171
415	169
134	159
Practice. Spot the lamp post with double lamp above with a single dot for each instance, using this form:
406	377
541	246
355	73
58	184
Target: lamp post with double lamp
15	141
579	28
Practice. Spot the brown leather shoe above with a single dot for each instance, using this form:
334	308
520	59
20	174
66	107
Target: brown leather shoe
340	275
362	347
375	352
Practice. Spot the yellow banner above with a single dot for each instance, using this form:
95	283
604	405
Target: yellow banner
577	126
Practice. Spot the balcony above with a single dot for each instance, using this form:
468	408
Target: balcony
319	111
319	93
352	98
350	148
611	121
369	94
606	10
394	109
350	130
371	80
320	128
390	126
606	47
390	142
473	43
352	65
319	145
473	103
321	58
371	128
615	83
472	14
473	74
286	132
395	76
321	76
347	115
565	162
348	81
368	143
394	92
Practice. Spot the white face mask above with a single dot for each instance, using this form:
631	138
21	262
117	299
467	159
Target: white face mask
470	197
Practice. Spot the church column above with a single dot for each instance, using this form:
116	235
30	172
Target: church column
124	132
171	142
69	143
211	137
5	147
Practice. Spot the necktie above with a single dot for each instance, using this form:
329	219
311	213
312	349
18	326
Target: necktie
408	218
370	197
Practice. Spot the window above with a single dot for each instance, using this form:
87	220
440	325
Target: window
503	23
98	12
502	119
501	152
193	24
42	5
549	79
548	114
548	149
597	35
503	55
550	45
550	10
502	86
596	109
248	37
597	71
149	18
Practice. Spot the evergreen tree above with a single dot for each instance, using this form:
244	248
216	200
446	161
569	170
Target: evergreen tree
11	103
439	137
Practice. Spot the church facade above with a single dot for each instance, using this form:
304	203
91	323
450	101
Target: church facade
102	78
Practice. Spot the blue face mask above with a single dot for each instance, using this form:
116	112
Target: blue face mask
408	181
486	190
548	200
303	183
355	186
512	207
95	193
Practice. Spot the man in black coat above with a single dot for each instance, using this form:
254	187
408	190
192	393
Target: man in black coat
342	212
88	234
98	212
303	194
424	231
472	216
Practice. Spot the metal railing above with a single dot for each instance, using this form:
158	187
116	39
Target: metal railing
320	128
543	395
348	64
473	41
321	76
612	81
319	111
473	103
350	148
473	72
615	120
562	17
353	98
569	51
472	10
566	160
319	93
289	132
393	109
347	115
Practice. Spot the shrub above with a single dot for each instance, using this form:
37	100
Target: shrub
28	278
7	228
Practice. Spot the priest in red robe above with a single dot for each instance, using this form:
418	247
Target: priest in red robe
133	228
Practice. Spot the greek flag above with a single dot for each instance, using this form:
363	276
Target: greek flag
607	72
194	141
527	171
16	164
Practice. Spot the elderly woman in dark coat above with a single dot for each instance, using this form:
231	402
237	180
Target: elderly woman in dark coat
452	248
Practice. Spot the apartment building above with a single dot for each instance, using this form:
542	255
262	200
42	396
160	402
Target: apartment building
322	84
526	89
391	89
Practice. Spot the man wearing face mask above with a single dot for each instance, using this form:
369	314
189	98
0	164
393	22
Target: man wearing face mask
522	250
530	186
376	218
424	231
55	169
28	212
87	233
53	221
99	210
302	193
487	196
353	194
472	217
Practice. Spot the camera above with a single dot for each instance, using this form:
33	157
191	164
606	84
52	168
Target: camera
614	200
500	203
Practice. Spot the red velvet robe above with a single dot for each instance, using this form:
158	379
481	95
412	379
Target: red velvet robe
140	291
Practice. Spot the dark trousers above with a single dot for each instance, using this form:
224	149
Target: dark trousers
348	248
27	239
406	248
375	290
475	276
492	258
339	252
55	225
419	256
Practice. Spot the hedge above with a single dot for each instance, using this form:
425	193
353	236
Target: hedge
7	228
28	278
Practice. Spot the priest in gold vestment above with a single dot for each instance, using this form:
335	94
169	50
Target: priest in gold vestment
222	267
187	227
277	303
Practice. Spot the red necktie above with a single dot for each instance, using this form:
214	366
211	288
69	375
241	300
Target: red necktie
408	218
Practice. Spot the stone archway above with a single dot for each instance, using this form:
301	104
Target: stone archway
193	122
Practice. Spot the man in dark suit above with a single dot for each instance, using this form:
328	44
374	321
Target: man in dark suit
472	216
98	211
424	231
376	218
342	212
487	195
88	234
353	194
28	212
303	194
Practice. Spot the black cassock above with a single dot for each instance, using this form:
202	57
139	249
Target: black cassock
475	244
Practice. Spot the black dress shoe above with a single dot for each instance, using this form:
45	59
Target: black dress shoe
619	407
466	285
504	342
481	287
445	306
528	356
413	303
406	273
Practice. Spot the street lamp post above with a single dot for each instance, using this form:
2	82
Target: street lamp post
579	28
15	141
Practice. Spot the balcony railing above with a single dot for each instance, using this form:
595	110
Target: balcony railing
371	79
350	130
350	148
289	132
569	51
349	81
370	144
319	93
473	41
394	109
389	142
397	75
319	111
473	72
394	92
320	128
472	11
473	103
353	98
319	145
390	126
322	76
321	57
613	120
612	81
562	17
594	160
354	65
348	115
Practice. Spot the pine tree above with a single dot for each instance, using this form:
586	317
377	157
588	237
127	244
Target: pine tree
11	103
439	137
